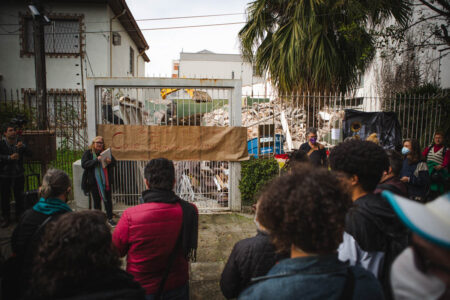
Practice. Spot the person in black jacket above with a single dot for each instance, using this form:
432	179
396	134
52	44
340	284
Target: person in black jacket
374	235
250	258
97	181
56	186
12	151
76	260
315	151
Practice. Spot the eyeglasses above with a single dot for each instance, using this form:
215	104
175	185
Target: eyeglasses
100	143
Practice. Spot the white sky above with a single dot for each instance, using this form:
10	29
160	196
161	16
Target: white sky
166	45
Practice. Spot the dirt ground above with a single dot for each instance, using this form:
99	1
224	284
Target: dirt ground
217	235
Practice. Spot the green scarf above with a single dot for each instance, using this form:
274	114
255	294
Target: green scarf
50	206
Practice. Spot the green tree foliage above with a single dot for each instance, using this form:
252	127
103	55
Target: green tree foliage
315	45
255	174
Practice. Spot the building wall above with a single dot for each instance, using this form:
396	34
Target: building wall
201	65
121	53
65	72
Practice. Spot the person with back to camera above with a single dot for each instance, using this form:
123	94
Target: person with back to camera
54	192
76	260
390	179
315	151
414	171
305	215
250	258
12	151
97	181
159	236
373	235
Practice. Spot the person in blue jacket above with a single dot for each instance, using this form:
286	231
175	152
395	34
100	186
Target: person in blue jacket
305	215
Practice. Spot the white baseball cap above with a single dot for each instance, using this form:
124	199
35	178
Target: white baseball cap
431	220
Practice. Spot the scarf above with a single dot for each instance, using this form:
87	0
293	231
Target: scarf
189	226
101	177
51	206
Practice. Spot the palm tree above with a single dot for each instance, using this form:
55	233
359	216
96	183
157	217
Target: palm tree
315	45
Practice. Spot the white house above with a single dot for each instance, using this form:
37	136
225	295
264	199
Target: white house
432	65
207	64
86	38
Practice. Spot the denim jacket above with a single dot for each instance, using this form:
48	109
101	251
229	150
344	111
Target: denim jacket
312	277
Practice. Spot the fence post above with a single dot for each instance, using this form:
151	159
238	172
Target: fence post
235	105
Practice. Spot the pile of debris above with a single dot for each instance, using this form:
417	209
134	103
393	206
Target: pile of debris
273	113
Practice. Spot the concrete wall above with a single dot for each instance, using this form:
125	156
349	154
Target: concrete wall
204	66
121	53
65	72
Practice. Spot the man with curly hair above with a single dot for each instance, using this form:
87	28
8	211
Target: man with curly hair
374	235
305	215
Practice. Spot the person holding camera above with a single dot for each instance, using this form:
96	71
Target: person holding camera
12	150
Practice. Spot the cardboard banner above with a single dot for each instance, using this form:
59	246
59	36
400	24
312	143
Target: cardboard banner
140	142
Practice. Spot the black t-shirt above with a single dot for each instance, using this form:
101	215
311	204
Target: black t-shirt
317	157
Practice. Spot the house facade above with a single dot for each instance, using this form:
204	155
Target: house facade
207	64
84	39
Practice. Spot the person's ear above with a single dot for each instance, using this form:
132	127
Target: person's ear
69	189
390	170
146	183
354	180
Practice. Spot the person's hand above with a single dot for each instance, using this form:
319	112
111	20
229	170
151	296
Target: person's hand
438	167
99	157
14	156
108	161
19	145
404	179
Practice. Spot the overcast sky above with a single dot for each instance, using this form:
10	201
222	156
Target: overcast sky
166	45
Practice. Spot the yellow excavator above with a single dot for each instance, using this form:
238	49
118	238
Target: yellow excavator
197	96
166	92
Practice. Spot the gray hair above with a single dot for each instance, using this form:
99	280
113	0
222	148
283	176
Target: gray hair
54	183
311	130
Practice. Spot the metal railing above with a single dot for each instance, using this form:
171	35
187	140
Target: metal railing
66	111
204	182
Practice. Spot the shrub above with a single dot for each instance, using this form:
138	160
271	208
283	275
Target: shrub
255	174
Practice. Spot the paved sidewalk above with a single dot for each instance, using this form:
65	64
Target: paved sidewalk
217	235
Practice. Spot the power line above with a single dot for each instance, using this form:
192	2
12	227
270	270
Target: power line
152	19
188	17
143	29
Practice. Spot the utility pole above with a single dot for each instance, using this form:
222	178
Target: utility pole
39	62
39	20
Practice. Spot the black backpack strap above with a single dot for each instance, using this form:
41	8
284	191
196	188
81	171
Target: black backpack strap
349	286
169	266
390	188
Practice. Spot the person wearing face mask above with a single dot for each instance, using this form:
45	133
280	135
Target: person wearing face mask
316	152
414	172
250	258
422	271
54	193
97	181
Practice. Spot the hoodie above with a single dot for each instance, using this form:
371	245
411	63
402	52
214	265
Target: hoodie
373	237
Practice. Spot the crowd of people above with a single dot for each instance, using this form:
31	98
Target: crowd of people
362	223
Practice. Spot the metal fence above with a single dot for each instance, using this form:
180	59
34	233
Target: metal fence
204	182
291	115
66	112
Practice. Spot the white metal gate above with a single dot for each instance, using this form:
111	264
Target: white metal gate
212	185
